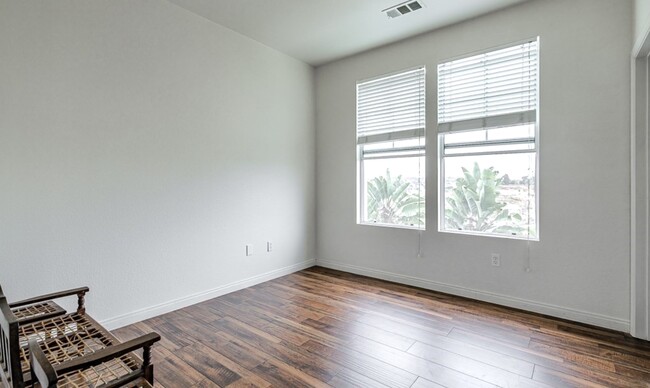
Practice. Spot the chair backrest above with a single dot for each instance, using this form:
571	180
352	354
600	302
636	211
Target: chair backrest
9	347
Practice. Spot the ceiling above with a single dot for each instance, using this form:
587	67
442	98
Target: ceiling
320	31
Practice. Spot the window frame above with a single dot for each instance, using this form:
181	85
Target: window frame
401	134
536	150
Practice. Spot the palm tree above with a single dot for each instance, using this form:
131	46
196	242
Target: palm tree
472	204
391	202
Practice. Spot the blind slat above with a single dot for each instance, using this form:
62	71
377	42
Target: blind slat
370	114
387	85
529	95
384	127
504	120
480	89
524	76
492	62
402	99
391	78
393	135
526	48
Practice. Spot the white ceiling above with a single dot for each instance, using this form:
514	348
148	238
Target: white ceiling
320	31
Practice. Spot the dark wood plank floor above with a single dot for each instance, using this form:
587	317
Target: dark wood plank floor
320	327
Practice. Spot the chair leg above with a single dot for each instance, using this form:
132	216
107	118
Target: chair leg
148	373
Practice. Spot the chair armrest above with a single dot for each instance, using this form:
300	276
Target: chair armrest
107	353
80	292
41	368
47	374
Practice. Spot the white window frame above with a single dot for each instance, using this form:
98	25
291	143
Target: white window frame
489	123
389	136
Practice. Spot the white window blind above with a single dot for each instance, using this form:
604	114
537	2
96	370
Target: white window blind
494	89
391	107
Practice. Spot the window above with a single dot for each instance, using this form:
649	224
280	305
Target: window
391	149
487	126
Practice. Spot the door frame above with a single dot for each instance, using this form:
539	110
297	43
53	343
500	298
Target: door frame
640	191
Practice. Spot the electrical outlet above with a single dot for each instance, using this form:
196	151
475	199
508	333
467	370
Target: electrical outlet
249	249
496	260
269	246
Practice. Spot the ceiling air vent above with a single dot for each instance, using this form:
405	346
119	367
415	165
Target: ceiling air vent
402	9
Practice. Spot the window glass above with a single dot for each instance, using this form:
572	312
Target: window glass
493	194
394	191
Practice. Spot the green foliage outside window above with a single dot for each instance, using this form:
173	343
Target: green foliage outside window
394	201
473	205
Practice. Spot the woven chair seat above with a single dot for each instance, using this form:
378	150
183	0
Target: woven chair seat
37	309
102	374
70	336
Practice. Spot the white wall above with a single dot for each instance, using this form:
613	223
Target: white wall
641	19
141	148
581	265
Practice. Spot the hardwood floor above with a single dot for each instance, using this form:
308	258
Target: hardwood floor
320	327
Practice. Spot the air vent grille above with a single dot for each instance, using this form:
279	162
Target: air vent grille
403	8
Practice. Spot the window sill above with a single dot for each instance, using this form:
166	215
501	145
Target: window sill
391	226
492	235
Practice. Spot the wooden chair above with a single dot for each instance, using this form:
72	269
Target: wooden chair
62	337
26	319
106	368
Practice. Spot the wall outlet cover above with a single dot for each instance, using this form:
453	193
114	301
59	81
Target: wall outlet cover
496	260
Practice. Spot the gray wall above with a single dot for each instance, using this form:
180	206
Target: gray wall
581	265
141	148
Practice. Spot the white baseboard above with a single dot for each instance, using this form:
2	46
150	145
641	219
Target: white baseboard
504	300
149	312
